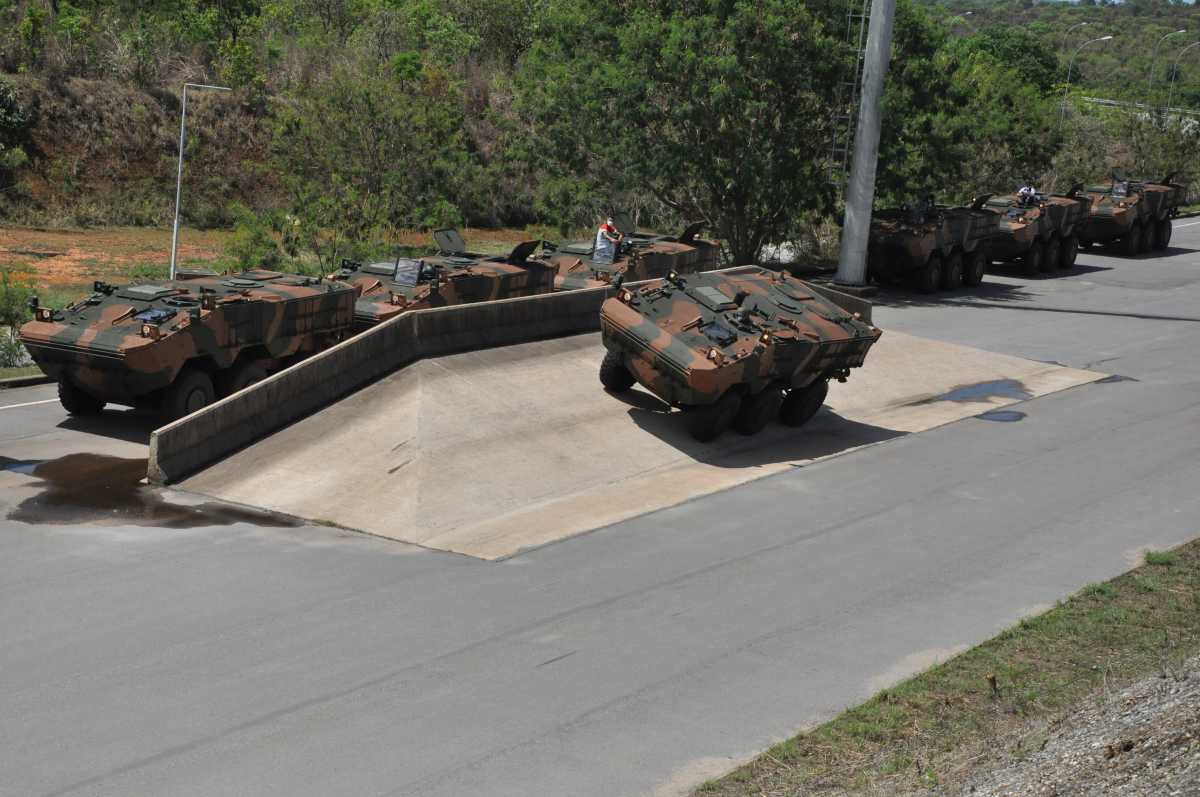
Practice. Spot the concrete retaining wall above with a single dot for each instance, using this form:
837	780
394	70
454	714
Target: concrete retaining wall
205	437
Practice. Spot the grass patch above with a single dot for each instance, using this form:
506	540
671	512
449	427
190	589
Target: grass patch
930	729
19	370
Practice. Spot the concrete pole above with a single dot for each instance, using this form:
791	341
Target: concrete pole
860	193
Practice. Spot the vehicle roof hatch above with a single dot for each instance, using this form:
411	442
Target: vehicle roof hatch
522	251
624	222
691	232
449	241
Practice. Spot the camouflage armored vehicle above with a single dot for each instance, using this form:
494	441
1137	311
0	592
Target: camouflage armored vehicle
181	344
1039	231
641	256
934	245
740	349
453	276
1135	214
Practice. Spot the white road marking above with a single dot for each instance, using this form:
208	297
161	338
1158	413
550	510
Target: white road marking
27	404
1189	224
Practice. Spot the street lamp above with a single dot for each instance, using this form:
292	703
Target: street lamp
179	172
1070	64
1175	70
1067	35
1154	57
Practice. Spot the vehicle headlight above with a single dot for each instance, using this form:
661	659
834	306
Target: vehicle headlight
713	354
150	331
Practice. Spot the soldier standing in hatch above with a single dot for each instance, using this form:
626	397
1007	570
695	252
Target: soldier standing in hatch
608	237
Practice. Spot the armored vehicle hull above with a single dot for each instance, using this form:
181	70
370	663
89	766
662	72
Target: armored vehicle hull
642	256
454	276
181	344
1133	214
1041	233
937	247
740	349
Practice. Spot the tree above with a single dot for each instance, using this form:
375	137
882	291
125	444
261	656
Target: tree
718	108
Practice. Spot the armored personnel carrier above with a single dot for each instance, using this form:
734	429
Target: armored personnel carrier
935	246
181	344
1038	231
641	256
740	349
1135	214
453	276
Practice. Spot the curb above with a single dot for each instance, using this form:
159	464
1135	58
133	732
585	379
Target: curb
24	381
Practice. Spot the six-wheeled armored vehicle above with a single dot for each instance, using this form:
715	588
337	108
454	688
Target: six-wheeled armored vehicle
1039	231
1135	214
179	344
453	276
933	245
740	349
641	256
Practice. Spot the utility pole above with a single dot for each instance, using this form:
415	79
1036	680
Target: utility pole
860	193
179	171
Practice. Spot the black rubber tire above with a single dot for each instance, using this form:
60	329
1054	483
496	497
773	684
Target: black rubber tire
239	377
707	422
974	265
1149	237
759	410
613	374
952	272
1031	261
802	404
1068	252
192	390
1050	255
78	402
929	276
881	279
1164	235
1131	244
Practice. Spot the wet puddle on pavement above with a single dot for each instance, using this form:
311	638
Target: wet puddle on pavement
1002	416
90	488
982	391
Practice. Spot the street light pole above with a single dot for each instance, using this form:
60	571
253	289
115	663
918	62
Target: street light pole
1071	63
1067	35
1154	58
1175	70
179	170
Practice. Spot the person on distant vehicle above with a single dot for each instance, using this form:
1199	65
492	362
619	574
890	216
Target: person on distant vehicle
1027	195
608	238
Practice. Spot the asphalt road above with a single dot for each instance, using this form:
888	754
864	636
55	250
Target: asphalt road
148	656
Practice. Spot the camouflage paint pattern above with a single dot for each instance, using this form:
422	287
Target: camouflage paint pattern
693	338
902	240
125	342
442	280
642	256
1020	225
1117	206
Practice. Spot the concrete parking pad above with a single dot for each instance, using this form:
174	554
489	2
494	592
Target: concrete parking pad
492	452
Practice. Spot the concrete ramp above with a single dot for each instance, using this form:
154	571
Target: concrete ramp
487	453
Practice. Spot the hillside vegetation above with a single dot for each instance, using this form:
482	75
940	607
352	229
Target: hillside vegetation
352	119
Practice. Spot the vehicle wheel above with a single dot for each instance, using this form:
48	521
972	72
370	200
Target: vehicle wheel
952	272
929	276
239	377
1031	261
192	390
613	373
757	411
1050	255
78	402
1164	234
1149	236
1131	244
801	405
974	265
1068	252
882	279
708	421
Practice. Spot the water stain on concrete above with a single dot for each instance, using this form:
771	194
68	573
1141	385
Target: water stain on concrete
1115	378
92	488
982	391
1002	416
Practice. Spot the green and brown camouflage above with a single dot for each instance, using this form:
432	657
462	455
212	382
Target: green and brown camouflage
641	256
132	344
737	348
1134	213
1039	231
937	246
453	276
